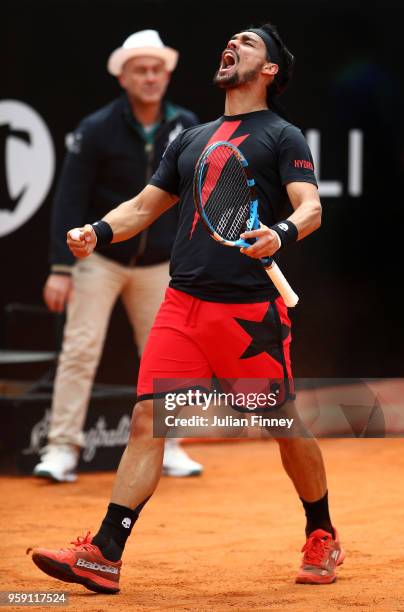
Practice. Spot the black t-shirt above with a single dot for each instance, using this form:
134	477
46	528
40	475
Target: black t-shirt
277	154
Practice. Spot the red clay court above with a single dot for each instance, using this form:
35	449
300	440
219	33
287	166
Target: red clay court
229	540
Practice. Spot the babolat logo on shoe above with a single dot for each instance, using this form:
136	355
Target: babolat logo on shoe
95	566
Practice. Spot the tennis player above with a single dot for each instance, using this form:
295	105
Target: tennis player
216	293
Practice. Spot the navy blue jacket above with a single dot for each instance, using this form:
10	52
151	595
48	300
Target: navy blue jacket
110	159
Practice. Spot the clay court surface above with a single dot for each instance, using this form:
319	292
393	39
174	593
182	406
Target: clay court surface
229	540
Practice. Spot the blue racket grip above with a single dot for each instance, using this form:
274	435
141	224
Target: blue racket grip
242	244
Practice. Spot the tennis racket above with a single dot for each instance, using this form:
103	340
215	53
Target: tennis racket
226	201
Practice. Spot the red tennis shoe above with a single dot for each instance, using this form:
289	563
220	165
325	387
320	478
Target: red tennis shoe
83	563
322	554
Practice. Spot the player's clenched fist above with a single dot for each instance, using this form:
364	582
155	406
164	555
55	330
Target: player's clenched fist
81	241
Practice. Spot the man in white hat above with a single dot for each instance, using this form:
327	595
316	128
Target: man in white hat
111	155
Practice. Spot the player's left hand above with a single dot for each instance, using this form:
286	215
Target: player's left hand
268	242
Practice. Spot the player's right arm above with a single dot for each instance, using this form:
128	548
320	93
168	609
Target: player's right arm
126	220
133	216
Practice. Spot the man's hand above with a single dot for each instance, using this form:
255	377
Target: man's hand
58	291
81	241
267	244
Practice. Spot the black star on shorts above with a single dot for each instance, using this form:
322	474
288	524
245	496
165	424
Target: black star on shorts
266	336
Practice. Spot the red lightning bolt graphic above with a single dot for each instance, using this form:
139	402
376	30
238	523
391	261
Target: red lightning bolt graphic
224	132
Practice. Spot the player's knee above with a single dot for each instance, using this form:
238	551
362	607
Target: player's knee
294	428
142	419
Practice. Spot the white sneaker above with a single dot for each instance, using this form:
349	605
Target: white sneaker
59	463
177	463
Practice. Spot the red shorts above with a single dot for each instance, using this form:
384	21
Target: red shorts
195	340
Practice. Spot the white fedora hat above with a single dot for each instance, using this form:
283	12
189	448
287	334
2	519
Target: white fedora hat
143	43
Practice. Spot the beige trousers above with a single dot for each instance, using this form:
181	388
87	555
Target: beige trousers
98	282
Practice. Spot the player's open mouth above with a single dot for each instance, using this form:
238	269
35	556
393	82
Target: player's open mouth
229	60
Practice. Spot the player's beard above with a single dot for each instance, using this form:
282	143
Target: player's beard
235	79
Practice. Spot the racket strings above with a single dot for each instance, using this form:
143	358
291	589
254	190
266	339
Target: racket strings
227	194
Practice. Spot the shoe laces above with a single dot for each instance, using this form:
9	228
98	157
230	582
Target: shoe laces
82	543
315	549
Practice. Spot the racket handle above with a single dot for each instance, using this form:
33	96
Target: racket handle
289	296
